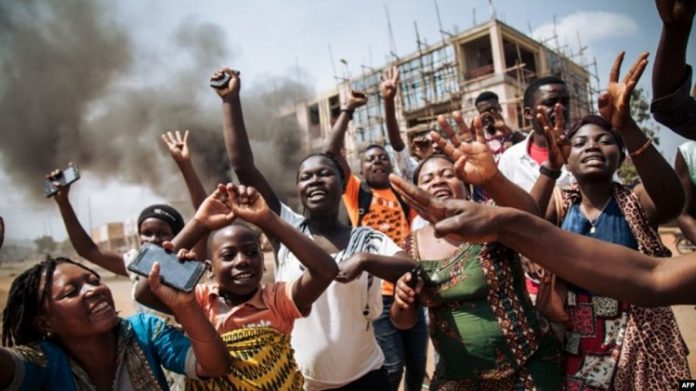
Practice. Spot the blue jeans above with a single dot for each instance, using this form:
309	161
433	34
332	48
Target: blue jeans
402	348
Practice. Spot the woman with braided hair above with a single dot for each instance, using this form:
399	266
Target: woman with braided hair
61	331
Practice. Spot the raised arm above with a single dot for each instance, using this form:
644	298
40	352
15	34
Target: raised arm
663	197
178	148
474	163
389	87
321	267
581	260
670	70
686	221
338	131
81	241
237	141
213	360
559	149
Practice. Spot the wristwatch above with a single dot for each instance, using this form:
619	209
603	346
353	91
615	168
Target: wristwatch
549	172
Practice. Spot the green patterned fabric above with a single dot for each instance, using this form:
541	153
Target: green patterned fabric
483	326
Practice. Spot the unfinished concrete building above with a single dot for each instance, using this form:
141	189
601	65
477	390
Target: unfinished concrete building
443	77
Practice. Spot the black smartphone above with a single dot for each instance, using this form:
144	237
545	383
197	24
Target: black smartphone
180	275
222	82
415	273
65	178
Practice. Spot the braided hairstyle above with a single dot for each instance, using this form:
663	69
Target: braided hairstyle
25	299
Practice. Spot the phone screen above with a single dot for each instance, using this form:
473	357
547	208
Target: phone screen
174	273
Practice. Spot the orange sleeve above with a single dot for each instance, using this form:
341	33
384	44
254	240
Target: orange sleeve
350	198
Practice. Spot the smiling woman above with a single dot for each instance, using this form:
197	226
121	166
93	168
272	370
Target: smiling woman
61	330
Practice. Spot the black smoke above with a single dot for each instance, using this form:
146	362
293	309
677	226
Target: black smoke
67	93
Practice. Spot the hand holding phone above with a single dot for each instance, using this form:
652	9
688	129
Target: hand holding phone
221	82
415	274
180	275
64	178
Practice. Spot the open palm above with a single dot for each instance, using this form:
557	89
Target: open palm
474	161
615	103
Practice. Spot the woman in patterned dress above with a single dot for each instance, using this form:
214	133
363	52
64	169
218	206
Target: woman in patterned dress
484	328
610	344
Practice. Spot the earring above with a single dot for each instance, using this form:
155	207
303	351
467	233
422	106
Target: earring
48	334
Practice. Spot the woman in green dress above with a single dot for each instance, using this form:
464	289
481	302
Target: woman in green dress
483	326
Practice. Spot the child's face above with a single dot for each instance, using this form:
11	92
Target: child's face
155	231
237	260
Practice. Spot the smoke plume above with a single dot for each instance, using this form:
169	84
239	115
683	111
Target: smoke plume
67	94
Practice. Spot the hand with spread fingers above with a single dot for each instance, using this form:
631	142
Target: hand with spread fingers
474	161
390	82
249	205
556	141
615	103
178	145
355	100
216	212
233	86
462	221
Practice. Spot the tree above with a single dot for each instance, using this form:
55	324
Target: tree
640	111
45	244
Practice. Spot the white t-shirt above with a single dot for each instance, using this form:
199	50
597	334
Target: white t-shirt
336	344
522	170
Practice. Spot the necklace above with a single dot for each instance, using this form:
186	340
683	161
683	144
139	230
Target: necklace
593	227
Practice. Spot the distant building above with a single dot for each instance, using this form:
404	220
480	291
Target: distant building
444	77
110	236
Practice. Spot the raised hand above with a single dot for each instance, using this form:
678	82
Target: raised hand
215	212
390	82
355	100
63	190
249	205
458	219
233	86
474	161
178	145
556	140
615	103
676	11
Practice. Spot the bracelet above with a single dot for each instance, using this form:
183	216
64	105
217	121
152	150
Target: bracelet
349	112
642	149
543	170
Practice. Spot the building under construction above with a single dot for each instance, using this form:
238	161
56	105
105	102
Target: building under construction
444	77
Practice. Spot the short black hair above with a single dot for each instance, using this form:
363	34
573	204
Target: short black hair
25	299
534	86
486	95
334	160
417	171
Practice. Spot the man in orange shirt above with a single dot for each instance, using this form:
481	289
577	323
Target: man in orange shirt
372	202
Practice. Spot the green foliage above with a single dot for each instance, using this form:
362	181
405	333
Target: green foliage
640	111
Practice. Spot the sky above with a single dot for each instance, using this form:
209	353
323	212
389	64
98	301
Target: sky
294	40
